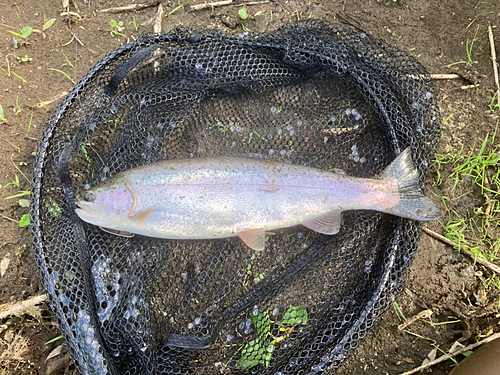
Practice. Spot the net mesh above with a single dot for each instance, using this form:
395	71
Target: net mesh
311	93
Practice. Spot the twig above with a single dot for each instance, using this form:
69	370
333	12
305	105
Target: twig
73	38
453	354
55	98
445	76
5	25
466	87
211	5
71	14
420	315
75	5
481	261
251	3
128	8
78	40
158	19
494	58
21	307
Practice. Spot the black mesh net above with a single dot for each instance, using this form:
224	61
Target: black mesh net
310	93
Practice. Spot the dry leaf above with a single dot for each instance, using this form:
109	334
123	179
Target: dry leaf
4	264
430	357
57	351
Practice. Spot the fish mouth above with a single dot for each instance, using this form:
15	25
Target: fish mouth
85	213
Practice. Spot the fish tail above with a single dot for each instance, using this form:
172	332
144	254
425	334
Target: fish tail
412	203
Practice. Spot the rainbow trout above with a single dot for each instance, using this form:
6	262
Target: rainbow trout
219	197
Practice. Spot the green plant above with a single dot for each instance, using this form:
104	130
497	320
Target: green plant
17	106
9	71
398	311
24	33
179	6
63	73
492	106
53	340
468	50
259	350
68	62
243	13
24	59
134	23
117	28
46	24
2	116
476	231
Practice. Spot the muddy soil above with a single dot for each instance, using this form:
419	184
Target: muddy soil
436	32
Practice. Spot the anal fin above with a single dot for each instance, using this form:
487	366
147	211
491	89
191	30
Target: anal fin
255	238
326	224
120	233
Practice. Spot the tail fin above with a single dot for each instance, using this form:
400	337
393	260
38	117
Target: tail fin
412	204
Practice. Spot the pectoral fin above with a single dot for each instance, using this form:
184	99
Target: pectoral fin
120	233
254	238
326	224
141	217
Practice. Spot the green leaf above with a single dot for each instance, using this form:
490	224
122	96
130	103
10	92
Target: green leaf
24	202
48	24
14	33
20	194
295	315
258	13
2	114
467	353
25	220
26	32
113	23
243	13
253	354
263	325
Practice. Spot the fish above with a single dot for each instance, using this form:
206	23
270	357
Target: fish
219	197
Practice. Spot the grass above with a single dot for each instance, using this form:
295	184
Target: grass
468	51
63	73
179	6
478	229
10	72
25	219
494	103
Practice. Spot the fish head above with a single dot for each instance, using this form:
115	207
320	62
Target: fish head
103	204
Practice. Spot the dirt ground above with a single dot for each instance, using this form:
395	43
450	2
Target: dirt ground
436	32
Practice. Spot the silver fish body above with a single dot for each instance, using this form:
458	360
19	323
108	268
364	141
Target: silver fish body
207	198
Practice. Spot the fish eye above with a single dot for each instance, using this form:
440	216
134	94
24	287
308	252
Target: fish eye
89	196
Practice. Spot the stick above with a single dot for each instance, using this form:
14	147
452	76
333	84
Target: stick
447	356
71	14
494	58
158	19
78	40
55	98
466	87
420	315
211	5
492	267
22	307
445	76
127	8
